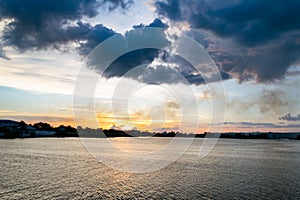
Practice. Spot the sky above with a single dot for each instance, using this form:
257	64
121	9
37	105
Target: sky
254	45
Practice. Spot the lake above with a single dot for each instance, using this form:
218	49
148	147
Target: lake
59	168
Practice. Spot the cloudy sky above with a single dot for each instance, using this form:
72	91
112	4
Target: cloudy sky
254	45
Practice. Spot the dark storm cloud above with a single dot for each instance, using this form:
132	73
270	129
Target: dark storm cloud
289	117
156	23
161	74
37	25
129	61
172	69
190	73
60	24
113	4
132	59
249	21
137	64
260	39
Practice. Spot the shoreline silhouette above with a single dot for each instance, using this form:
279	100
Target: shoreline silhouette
10	129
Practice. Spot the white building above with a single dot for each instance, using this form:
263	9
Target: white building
44	133
8	123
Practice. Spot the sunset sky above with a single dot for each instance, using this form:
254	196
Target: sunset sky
254	43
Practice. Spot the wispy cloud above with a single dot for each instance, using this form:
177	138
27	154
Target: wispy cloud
42	72
289	117
257	125
267	101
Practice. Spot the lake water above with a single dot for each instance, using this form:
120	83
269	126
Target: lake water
59	168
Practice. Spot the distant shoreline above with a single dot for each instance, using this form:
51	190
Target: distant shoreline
13	129
120	134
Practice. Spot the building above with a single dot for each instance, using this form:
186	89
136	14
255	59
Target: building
27	132
42	133
8	123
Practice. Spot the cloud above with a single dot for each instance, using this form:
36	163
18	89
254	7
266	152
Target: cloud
293	73
113	4
156	23
39	25
289	117
259	39
138	64
259	125
249	22
271	101
159	66
172	105
251	124
34	25
2	54
128	61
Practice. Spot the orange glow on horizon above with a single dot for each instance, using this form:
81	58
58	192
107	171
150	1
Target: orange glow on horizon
136	120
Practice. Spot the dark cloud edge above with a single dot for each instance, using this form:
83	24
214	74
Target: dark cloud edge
54	24
264	36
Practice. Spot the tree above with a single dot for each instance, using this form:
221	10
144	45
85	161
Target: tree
43	126
22	125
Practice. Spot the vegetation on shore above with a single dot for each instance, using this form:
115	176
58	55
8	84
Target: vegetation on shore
41	129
